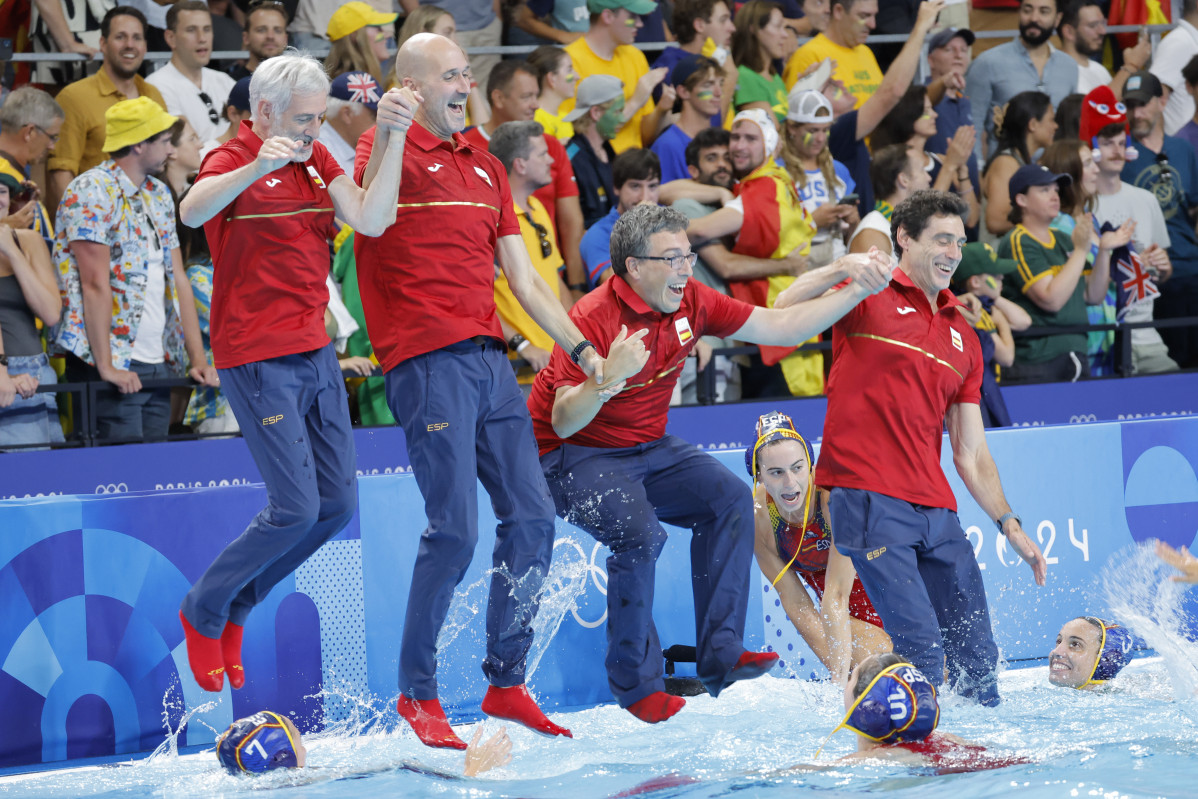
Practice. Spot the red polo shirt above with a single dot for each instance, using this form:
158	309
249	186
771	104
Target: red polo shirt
429	280
897	366
270	255
562	173
638	413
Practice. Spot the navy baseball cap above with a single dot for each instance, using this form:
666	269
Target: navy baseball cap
239	95
1030	175
356	87
945	35
688	66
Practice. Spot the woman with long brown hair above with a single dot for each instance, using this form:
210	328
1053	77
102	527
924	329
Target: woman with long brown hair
359	37
759	41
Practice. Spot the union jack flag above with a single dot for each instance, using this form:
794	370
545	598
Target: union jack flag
362	88
1132	282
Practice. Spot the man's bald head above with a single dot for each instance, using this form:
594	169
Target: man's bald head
437	68
425	55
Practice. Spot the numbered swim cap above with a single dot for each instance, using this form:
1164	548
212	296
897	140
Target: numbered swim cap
1114	651
773	427
257	743
899	706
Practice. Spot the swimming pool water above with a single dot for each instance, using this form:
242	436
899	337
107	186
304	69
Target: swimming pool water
1136	739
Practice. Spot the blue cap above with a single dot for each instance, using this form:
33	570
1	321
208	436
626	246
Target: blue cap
899	706
239	95
773	427
1114	651
257	743
356	87
1030	175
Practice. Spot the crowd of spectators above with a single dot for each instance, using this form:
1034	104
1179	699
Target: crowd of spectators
779	131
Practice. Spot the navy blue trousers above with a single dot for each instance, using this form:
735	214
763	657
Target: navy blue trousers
465	420
918	569
621	497
295	420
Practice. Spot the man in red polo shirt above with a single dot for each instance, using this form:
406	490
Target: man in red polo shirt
614	471
905	362
267	200
428	293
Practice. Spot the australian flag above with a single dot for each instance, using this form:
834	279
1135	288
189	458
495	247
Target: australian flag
1133	282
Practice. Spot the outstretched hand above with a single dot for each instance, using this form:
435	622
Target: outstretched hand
1180	559
483	756
870	270
1028	550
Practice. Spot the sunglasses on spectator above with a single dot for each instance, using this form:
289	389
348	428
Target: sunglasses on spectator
213	114
543	235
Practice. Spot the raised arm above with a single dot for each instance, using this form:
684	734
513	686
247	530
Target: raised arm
902	71
815	282
542	304
978	471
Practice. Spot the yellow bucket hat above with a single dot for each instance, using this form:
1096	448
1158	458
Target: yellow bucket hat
133	121
355	16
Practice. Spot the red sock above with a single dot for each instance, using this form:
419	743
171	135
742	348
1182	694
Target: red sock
204	657
753	664
657	706
514	704
429	722
230	650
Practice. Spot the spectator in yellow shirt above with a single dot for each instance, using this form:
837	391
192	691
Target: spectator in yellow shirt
520	147
606	49
844	42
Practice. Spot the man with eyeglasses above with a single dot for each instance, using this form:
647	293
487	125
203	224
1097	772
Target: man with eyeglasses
190	88
30	121
614	471
521	148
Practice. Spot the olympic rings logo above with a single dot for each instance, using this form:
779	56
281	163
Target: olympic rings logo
112	488
595	576
1081	418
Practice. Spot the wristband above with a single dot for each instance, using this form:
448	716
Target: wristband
516	342
522	346
1003	520
577	287
3	360
576	354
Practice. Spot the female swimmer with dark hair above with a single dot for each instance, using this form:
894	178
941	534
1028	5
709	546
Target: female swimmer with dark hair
794	546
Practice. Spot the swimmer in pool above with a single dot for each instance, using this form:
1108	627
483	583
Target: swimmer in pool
1180	559
267	741
1089	652
894	710
794	546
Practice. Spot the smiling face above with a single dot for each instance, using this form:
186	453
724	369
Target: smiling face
658	283
715	167
442	76
926	124
747	147
931	259
1089	179
706	95
1072	660
783	469
266	35
125	46
299	122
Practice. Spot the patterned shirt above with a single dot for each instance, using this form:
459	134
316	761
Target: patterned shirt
206	402
103	206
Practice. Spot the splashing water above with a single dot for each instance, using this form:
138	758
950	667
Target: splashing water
172	704
1138	592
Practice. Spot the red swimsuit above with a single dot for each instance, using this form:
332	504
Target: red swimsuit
812	559
949	757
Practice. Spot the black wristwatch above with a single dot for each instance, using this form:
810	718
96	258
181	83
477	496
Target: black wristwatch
3	360
515	341
576	355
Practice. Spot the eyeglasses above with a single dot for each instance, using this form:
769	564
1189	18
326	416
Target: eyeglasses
676	262
213	114
543	235
53	137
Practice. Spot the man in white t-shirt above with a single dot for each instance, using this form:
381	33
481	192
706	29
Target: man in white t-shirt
353	101
1082	31
1117	203
1172	54
190	89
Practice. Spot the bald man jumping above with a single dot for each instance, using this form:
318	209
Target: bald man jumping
428	295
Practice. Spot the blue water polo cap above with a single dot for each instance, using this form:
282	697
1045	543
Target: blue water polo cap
1114	651
899	706
257	743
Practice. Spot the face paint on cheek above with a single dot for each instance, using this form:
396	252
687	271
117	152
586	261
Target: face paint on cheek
807	138
609	123
704	96
630	22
